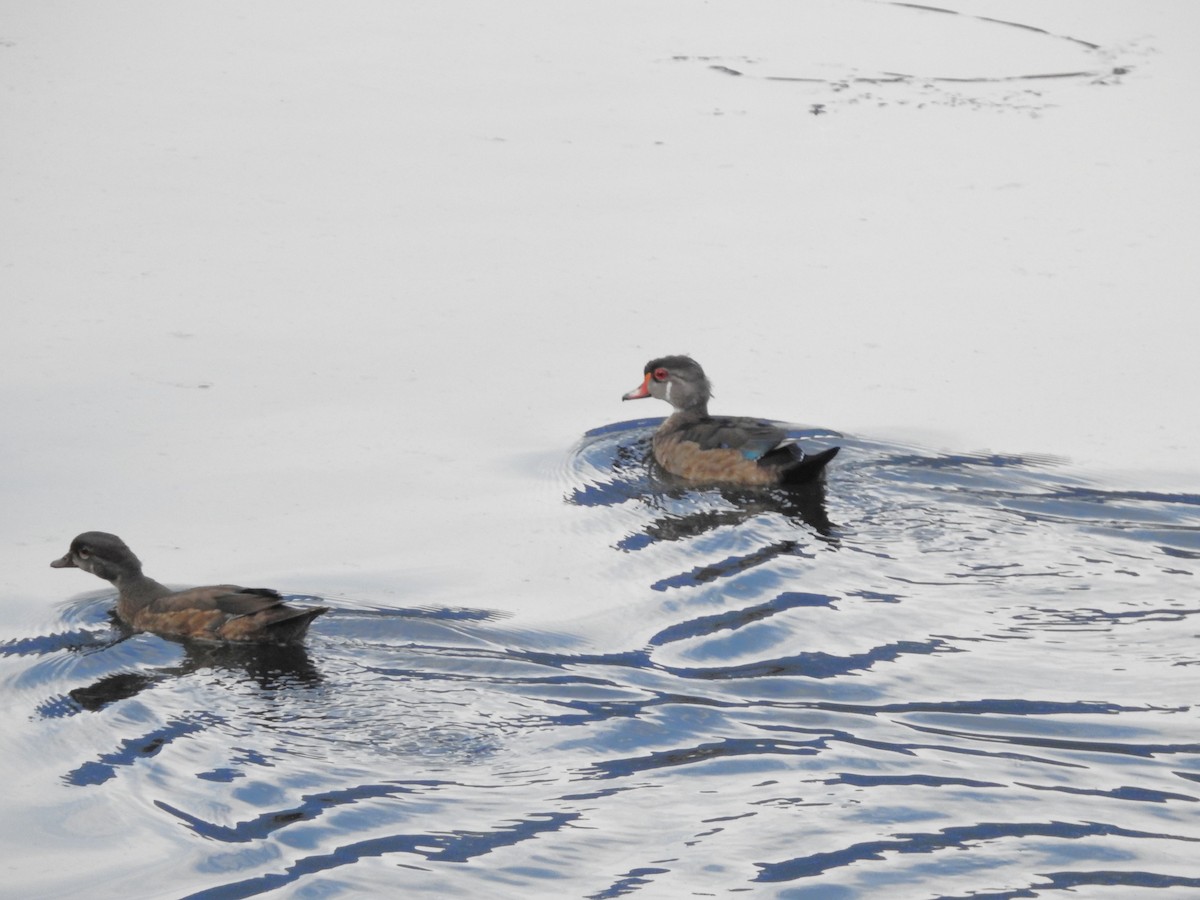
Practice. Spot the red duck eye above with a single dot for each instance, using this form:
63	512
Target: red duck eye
660	374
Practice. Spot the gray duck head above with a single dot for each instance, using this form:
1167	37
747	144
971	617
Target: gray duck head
677	379
104	555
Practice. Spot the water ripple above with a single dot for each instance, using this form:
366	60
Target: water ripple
831	692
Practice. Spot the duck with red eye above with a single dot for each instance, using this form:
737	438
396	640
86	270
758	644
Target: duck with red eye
719	449
223	612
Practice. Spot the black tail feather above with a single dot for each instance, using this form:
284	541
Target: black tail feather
801	468
293	623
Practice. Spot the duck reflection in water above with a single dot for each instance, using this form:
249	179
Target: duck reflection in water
270	666
801	506
685	510
248	630
702	472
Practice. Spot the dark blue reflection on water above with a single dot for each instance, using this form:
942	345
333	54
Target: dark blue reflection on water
974	674
131	750
310	807
947	838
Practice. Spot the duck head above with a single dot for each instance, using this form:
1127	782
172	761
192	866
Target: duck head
677	379
104	555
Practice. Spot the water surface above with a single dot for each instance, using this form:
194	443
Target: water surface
937	676
316	297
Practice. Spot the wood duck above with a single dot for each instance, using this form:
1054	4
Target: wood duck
223	612
719	449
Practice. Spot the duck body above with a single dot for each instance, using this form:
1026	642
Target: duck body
223	612
693	445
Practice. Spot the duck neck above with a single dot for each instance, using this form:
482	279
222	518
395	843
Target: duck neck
686	415
696	409
137	590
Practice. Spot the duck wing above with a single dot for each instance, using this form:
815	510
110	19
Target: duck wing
753	438
229	599
226	612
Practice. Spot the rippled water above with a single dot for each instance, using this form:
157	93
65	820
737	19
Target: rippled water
941	676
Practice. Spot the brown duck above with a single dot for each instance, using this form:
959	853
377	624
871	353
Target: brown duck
222	612
719	449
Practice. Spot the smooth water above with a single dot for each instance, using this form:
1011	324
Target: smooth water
939	676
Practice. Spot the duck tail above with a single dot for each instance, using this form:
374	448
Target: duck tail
289	625
808	467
